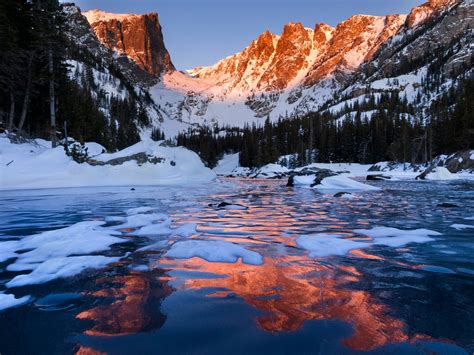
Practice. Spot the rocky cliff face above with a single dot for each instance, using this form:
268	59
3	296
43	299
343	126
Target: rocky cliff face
139	37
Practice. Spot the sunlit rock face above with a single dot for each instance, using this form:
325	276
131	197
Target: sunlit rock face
138	36
424	12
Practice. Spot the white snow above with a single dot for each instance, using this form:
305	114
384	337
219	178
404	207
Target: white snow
214	251
61	268
29	166
57	253
227	164
81	238
338	182
441	173
394	237
9	301
341	182
271	170
461	227
323	245
164	228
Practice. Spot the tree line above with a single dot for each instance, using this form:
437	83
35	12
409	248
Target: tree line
42	96
384	127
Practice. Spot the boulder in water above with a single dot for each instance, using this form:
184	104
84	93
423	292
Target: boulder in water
377	177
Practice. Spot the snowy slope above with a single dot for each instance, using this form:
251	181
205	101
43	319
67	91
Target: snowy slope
35	165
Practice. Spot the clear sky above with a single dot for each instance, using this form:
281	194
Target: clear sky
201	32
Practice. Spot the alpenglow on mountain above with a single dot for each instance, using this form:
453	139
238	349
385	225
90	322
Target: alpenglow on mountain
301	70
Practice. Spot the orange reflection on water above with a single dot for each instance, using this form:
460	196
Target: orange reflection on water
293	289
136	305
88	351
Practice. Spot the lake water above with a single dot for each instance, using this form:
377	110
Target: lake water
413	299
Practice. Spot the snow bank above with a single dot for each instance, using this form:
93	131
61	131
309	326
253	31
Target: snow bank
29	166
323	245
441	173
339	182
272	170
214	251
9	301
227	164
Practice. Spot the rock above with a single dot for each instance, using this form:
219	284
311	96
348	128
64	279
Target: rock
423	175
139	37
132	189
291	181
225	205
321	175
341	194
460	161
377	177
447	205
140	158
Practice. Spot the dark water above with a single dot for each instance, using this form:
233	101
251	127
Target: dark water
418	299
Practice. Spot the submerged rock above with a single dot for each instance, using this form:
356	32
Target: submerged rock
342	194
447	205
227	205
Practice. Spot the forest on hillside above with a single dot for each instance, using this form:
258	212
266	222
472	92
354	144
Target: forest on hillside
39	95
396	131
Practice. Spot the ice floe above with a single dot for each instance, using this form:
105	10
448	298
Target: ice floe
9	301
461	227
59	253
61	268
214	251
321	245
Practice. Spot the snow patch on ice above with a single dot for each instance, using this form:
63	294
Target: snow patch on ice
50	254
9	301
61	268
214	251
323	245
461	227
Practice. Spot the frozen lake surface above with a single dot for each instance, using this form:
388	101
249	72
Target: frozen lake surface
278	270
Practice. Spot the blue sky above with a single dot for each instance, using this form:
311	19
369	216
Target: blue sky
201	32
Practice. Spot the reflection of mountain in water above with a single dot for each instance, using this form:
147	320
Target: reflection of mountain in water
136	305
294	289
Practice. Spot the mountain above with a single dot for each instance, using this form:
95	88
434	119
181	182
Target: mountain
298	71
139	37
